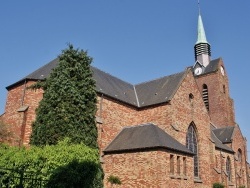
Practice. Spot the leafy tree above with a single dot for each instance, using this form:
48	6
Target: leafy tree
69	104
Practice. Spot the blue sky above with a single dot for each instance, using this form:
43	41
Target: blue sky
135	40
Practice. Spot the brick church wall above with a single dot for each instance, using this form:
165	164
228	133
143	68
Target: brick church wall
174	117
220	103
181	112
21	121
148	169
239	145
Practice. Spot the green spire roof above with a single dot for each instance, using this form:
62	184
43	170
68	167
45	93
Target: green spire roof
201	32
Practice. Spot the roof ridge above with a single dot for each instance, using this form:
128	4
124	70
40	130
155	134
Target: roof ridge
111	75
160	78
40	68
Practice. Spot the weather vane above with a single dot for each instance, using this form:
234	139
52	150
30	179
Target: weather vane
199	8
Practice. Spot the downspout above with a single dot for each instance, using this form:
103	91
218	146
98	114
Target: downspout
100	111
24	89
247	177
23	120
221	170
236	182
100	128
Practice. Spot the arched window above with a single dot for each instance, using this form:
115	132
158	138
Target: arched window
228	169
239	155
205	96
191	143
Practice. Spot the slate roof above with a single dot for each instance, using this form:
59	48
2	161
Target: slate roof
145	136
224	134
140	95
213	66
219	144
158	91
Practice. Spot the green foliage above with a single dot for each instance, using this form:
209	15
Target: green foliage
114	180
61	165
69	104
218	185
5	133
242	186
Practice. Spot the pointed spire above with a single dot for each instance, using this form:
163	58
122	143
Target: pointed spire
202	47
201	31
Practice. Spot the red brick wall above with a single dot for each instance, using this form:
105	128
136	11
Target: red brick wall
221	107
148	169
180	112
174	117
21	121
239	143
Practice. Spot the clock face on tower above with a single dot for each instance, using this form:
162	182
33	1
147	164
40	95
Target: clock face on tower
198	71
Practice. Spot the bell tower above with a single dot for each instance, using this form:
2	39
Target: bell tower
212	80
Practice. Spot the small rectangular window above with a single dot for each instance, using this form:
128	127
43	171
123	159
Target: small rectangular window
184	166
178	165
171	164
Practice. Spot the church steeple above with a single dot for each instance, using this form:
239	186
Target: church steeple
202	47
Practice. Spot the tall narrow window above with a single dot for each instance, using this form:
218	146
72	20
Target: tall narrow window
184	166
171	164
178	165
205	96
191	143
228	169
239	155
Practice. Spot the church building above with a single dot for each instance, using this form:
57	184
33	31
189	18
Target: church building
175	131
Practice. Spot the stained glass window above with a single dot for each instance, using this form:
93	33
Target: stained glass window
191	144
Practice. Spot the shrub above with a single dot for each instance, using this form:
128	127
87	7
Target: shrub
218	185
69	165
114	180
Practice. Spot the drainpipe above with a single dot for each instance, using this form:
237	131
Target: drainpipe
235	172
100	111
24	89
221	170
23	121
100	116
247	178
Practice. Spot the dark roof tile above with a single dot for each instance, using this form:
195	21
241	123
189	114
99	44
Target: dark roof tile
140	95
224	134
159	90
219	144
137	138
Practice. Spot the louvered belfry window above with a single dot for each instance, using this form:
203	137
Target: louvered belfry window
205	96
191	144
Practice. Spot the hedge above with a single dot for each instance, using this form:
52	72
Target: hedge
61	165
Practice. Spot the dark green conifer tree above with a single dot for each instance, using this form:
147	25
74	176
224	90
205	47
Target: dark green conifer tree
69	104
